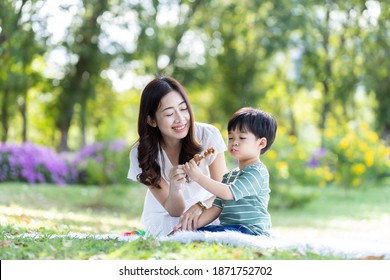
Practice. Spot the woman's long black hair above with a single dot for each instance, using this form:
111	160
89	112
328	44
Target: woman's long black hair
150	137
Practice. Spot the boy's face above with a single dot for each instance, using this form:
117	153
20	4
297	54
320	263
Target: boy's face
244	145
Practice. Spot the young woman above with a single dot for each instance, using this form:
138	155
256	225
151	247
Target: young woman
168	138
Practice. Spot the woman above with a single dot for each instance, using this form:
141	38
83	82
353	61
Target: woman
168	138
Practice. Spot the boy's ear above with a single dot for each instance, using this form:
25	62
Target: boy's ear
263	142
151	122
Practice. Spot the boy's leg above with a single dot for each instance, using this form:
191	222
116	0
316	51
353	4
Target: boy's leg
220	228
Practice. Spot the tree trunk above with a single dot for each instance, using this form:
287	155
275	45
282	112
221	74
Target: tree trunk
63	147
4	116
83	122
23	112
326	81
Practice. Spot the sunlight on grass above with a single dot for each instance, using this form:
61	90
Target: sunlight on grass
48	211
32	219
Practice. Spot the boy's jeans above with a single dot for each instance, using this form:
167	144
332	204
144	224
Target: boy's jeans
219	228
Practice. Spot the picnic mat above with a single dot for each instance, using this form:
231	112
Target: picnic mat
347	248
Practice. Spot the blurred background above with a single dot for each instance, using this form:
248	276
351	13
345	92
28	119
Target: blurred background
71	73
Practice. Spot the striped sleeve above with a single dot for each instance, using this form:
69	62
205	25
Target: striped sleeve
218	202
249	183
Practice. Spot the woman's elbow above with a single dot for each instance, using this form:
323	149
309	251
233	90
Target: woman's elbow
177	212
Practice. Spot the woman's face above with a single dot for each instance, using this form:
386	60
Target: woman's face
172	117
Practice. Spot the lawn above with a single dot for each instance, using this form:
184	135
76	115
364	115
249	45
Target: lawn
48	210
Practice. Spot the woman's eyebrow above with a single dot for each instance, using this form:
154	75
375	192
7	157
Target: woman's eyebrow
171	107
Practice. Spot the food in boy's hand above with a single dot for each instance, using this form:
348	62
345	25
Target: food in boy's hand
199	157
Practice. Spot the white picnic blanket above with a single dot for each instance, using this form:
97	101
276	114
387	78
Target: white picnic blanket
347	248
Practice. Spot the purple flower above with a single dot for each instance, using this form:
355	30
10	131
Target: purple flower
32	163
99	161
118	145
314	161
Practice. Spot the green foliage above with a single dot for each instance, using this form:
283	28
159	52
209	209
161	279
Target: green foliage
18	49
352	157
290	197
376	46
259	53
103	163
360	158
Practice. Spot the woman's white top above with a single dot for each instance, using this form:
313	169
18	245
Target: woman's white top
155	219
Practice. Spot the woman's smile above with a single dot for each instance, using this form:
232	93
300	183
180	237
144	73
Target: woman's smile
180	128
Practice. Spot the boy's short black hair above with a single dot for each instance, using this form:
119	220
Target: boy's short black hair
255	121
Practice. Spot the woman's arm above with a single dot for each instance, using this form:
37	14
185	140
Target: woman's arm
170	195
208	216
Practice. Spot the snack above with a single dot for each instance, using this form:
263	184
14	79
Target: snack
199	157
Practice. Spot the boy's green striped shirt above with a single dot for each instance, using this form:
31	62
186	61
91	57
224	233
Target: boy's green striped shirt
250	188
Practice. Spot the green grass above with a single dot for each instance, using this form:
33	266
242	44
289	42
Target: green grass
49	210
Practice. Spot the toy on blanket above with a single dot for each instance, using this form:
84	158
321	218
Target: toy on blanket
134	233
199	157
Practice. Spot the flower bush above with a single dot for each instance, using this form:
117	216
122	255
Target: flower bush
287	162
99	163
102	163
362	159
32	163
351	157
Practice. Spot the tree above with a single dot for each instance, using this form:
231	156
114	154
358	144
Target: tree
18	48
376	47
250	33
79	83
330	56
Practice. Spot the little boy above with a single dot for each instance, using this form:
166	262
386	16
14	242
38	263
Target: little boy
242	197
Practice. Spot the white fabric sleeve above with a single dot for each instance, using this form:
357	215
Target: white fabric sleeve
134	169
213	138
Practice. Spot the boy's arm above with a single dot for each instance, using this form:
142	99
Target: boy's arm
208	216
217	188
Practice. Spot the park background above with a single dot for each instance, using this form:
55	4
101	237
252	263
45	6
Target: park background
72	72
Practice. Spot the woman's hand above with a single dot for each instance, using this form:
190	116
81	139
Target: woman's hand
177	176
189	219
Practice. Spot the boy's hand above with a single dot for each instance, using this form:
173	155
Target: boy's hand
193	170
